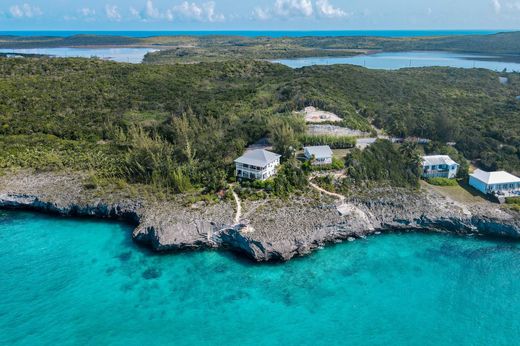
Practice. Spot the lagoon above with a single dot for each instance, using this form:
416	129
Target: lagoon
399	60
68	281
129	55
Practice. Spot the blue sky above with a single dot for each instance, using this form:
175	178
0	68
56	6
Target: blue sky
258	14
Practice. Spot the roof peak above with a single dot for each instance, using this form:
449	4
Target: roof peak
495	177
258	157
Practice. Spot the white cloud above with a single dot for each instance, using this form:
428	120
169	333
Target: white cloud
134	12
205	12
325	9
112	12
87	12
514	5
293	8
25	11
202	12
497	5
300	8
262	14
151	11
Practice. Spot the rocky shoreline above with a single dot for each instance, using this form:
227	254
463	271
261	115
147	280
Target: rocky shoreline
270	230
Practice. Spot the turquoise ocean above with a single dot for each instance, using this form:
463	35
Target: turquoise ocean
81	281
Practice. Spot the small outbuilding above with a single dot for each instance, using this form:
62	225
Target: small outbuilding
499	183
439	166
321	155
257	164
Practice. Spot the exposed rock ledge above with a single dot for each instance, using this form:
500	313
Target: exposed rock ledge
274	230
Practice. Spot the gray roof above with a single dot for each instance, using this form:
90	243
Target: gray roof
319	152
260	158
436	160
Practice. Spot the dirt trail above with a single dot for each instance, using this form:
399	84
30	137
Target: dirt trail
238	214
338	196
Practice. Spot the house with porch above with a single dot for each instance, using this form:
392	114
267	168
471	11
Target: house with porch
257	164
439	166
495	183
321	155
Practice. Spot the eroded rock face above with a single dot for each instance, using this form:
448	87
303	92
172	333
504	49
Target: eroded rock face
275	230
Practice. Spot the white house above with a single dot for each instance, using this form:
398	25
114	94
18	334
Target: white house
439	166
496	183
257	165
322	155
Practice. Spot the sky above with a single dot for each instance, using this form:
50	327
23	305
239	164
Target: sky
259	15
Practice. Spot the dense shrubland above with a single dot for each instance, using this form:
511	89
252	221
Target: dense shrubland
384	163
180	127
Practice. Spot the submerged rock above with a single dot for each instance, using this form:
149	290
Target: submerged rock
151	273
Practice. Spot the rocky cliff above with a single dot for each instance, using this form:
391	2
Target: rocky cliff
269	230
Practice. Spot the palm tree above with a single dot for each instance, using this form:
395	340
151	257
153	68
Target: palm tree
411	155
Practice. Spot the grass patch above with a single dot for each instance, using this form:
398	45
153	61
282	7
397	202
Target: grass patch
442	182
513	203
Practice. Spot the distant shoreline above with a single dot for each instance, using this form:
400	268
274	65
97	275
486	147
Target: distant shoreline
253	33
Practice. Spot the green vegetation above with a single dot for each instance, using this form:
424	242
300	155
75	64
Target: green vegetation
180	127
466	106
283	133
334	142
513	200
384	164
336	164
442	182
513	203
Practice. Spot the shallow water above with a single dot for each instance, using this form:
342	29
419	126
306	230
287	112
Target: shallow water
398	60
81	281
130	55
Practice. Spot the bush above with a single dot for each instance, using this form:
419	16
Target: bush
513	200
442	182
336	164
382	163
290	178
335	142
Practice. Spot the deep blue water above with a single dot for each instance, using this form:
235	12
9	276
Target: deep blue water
272	33
398	60
67	281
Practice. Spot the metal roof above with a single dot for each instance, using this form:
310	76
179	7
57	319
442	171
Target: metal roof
319	152
436	160
490	178
259	158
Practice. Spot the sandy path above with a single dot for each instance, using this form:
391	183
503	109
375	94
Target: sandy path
338	196
238	214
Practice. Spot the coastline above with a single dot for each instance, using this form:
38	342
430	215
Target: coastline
270	230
